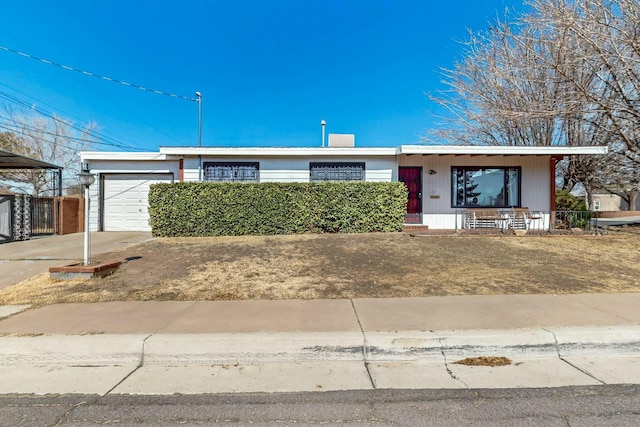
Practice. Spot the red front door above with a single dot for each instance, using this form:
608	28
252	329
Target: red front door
412	178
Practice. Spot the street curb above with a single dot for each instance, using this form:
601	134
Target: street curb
248	348
72	350
255	348
602	341
449	345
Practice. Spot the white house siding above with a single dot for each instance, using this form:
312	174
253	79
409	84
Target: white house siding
105	168
282	169
436	188
292	165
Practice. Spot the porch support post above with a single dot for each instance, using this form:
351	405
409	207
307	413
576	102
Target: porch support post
552	181
181	171
59	182
57	205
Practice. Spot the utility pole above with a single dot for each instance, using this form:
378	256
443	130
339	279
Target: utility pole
199	101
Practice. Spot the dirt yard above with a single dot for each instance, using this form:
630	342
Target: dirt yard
351	266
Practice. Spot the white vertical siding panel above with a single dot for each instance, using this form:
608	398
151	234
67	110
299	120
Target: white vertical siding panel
284	170
381	170
536	183
191	166
94	205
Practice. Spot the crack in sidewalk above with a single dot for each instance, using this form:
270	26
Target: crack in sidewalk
173	319
140	365
557	348
446	365
364	346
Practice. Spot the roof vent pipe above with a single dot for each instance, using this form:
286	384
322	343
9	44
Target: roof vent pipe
323	123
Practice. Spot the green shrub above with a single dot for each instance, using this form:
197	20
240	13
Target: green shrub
575	215
565	201
215	209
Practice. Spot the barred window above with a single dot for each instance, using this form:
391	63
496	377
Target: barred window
342	171
231	171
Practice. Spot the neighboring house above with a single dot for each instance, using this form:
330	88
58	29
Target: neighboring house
604	201
611	209
442	180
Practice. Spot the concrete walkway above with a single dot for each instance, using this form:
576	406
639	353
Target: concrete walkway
23	259
318	345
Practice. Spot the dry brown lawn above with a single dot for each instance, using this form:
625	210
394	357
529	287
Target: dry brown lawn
351	266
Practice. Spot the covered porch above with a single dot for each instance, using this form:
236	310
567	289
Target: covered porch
473	187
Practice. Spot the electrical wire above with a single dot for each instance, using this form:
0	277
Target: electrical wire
20	130
88	73
116	140
105	140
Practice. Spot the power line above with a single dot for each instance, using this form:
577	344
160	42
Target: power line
88	73
117	141
20	129
105	141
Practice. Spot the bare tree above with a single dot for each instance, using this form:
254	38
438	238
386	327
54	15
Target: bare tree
565	73
50	139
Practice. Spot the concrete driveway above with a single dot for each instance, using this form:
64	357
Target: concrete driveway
23	259
624	220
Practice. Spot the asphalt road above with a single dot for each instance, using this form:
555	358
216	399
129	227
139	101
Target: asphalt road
567	407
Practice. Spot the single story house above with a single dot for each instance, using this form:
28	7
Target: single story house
442	180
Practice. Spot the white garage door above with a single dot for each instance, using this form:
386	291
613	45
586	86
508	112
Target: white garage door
126	206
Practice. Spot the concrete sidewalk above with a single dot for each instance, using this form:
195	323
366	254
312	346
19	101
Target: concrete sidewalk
303	345
21	260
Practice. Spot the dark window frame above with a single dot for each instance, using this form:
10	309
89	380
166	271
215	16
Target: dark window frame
233	175
333	171
465	169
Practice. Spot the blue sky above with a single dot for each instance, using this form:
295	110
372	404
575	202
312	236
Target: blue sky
269	70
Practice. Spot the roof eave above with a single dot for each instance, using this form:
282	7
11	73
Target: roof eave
279	151
502	150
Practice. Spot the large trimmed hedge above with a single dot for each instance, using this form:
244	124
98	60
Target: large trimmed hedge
215	209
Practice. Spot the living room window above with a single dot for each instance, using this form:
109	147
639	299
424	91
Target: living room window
231	171
492	187
336	171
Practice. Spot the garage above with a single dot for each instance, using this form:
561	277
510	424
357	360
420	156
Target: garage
125	205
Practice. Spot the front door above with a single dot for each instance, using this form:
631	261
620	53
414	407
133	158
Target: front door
412	178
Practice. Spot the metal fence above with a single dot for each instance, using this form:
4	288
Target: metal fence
567	220
6	215
42	216
23	216
502	220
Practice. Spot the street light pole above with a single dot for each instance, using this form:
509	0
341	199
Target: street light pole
199	100
86	179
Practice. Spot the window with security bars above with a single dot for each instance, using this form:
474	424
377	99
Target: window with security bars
336	171
231	172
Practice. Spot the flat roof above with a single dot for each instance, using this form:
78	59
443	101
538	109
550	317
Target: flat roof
10	160
504	150
279	151
166	153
